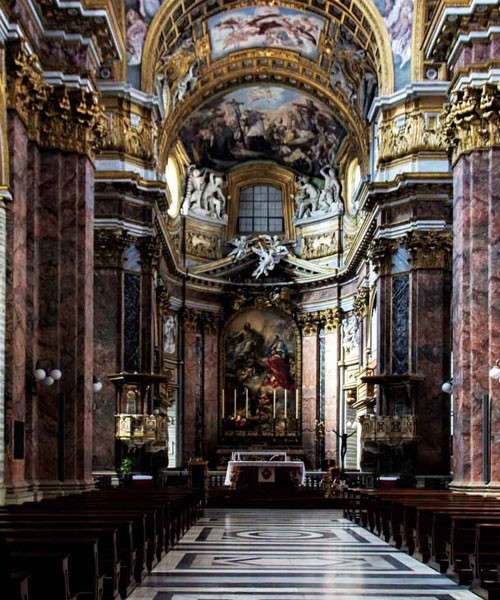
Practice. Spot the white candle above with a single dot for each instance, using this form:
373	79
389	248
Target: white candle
285	403
274	404
246	402
296	404
234	412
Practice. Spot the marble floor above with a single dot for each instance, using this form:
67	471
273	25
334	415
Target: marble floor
249	554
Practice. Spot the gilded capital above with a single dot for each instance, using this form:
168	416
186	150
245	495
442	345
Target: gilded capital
109	245
191	320
380	253
471	121
430	249
361	302
331	319
150	249
309	323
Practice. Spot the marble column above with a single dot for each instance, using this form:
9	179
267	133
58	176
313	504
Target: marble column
66	316
16	369
476	318
309	395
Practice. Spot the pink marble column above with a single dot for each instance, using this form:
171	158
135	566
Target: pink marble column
66	317
309	397
189	401
476	322
212	407
331	390
16	299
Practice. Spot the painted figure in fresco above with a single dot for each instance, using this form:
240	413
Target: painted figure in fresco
136	32
276	361
398	17
248	343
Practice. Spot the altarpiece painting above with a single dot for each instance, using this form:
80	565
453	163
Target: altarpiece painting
259	395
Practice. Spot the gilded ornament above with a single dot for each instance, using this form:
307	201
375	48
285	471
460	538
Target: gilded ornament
471	121
380	253
191	320
309	323
430	249
109	245
202	245
413	136
319	246
361	302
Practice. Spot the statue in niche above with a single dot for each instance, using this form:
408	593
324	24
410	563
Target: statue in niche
169	335
350	335
306	198
312	202
204	193
329	199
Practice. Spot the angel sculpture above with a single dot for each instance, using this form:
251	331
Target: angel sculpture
268	257
241	245
184	85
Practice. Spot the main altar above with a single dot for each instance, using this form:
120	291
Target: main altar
266	471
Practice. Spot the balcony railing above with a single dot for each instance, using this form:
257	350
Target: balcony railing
388	430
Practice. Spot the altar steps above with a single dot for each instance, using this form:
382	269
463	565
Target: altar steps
306	499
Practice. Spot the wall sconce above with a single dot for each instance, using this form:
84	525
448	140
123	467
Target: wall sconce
447	386
46	377
495	370
96	385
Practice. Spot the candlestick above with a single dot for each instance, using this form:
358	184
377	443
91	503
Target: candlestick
285	403
234	412
223	404
246	407
296	404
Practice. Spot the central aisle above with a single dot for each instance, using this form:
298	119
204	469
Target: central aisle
248	554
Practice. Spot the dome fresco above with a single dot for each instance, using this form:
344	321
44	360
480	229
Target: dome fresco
263	122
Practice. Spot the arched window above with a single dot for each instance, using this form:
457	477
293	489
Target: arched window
260	210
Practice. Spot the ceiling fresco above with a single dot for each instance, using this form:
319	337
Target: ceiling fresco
398	17
263	122
265	26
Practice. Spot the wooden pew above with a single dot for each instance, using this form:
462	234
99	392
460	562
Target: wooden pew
83	567
108	562
126	547
485	560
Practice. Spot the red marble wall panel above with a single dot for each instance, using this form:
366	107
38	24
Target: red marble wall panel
107	360
309	397
189	401
431	340
331	401
212	408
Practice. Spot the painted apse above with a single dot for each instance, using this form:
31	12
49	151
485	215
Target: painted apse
259	397
263	122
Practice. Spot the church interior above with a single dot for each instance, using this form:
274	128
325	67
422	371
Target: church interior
247	227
